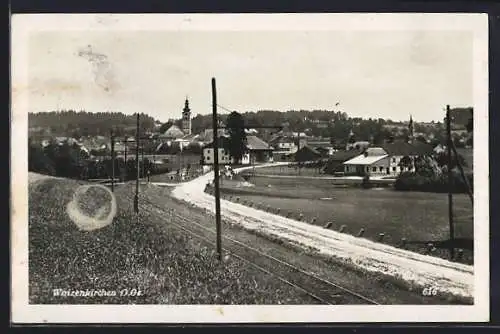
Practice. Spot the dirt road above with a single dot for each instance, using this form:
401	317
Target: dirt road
418	270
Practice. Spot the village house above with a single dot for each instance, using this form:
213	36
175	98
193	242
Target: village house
95	144
335	162
207	136
307	154
374	161
322	145
172	133
208	153
258	151
386	160
300	137
283	144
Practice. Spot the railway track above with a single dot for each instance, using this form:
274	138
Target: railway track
322	290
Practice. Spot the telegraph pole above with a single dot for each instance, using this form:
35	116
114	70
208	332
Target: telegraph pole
136	197
125	174
216	170
112	161
298	149
461	169
450	181
142	159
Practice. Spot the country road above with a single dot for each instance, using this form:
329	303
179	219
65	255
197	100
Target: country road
420	270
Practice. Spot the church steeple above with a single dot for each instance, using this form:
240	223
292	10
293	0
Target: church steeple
410	130
186	118
351	139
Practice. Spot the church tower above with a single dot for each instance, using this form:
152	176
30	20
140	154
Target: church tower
186	118
351	139
410	130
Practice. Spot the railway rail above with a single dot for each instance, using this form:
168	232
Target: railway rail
321	290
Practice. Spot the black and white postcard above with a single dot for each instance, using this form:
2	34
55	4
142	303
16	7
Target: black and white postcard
206	168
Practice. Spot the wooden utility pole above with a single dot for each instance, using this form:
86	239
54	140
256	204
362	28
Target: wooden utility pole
216	170
136	197
464	177
125	172
142	159
450	183
180	161
298	149
112	161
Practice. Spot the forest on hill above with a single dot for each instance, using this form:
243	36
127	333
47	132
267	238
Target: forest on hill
82	123
321	123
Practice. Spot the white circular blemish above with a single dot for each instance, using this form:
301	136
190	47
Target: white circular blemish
100	219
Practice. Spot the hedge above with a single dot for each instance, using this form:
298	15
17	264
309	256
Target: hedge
414	182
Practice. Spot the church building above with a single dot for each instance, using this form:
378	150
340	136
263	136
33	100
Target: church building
186	119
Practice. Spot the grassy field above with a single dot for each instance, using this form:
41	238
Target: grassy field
146	254
286	170
385	289
165	264
419	217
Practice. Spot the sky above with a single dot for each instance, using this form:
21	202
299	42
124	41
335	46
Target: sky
378	74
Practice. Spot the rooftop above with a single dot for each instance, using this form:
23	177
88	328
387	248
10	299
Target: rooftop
344	155
255	143
173	132
375	151
404	148
365	159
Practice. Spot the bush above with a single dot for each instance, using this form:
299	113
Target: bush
415	182
366	182
332	167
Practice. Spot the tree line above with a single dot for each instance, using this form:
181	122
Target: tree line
78	124
338	125
335	125
70	161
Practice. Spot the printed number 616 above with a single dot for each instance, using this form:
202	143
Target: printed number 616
429	291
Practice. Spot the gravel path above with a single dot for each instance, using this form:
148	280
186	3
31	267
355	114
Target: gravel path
420	270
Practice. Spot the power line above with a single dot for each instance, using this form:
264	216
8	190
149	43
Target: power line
222	107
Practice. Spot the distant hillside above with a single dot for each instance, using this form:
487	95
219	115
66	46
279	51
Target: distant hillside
331	124
82	123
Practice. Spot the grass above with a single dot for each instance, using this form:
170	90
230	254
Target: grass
286	170
385	289
418	217
145	254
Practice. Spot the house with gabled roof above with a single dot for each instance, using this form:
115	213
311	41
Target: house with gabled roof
208	152
387	159
336	160
283	144
307	154
257	151
173	132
